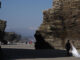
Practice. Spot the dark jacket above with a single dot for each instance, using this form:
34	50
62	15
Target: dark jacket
68	46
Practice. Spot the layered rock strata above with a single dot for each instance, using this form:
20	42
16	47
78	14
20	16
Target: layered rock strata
60	23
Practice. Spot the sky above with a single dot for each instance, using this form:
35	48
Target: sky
23	16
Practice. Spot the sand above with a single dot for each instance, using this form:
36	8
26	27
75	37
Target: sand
22	51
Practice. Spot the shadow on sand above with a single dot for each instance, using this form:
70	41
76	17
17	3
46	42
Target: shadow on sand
12	54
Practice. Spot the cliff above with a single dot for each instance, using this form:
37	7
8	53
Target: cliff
60	23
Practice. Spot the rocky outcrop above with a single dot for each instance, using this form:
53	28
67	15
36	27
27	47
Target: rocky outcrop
2	30
12	37
60	23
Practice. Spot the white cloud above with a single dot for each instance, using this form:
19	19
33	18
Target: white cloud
32	28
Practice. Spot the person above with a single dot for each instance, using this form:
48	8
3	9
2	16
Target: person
68	47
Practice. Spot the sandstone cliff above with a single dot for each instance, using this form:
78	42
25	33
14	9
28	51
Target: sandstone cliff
60	23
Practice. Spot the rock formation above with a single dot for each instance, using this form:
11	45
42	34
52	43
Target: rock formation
60	23
2	30
12	37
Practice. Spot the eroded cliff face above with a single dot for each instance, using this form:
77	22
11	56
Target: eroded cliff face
2	30
60	23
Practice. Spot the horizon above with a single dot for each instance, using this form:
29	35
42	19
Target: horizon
23	16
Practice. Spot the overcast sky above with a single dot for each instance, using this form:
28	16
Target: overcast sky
23	16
